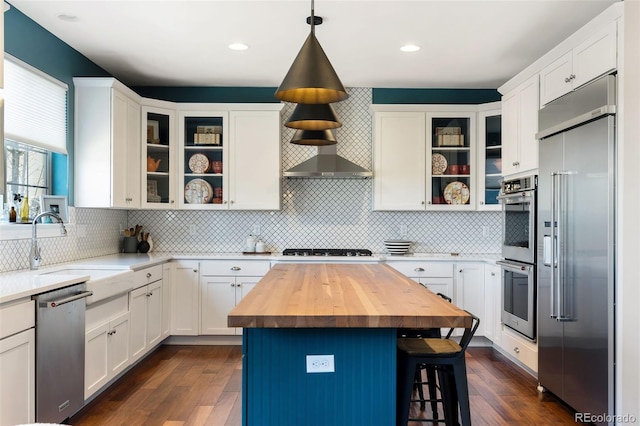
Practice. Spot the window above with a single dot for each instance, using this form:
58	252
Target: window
35	126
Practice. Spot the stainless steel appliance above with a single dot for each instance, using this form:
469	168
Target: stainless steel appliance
326	252
60	324
576	240
518	199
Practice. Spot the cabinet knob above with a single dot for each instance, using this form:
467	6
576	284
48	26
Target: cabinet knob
149	294
232	285
171	201
195	270
235	268
422	202
148	274
481	202
419	269
567	80
231	202
516	350
493	274
224	202
460	270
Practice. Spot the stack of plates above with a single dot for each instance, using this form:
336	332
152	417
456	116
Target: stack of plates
397	246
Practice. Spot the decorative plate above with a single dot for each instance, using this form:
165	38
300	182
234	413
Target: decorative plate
456	193
199	163
198	191
438	164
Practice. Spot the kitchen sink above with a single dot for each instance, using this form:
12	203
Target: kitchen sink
104	283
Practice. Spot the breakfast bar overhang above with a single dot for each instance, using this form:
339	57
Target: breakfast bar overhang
349	311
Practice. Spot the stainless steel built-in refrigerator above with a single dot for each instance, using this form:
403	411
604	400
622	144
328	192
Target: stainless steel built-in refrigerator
576	241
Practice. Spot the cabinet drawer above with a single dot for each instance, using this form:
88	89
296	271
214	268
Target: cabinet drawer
147	275
101	313
255	268
424	269
17	317
524	351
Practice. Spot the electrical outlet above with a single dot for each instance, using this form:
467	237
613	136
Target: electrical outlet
320	364
485	231
255	230
403	230
192	230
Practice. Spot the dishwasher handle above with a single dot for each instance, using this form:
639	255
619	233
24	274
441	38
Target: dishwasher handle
64	300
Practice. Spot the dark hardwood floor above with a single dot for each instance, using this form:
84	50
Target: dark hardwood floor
201	385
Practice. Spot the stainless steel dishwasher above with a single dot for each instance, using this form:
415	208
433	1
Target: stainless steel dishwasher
60	334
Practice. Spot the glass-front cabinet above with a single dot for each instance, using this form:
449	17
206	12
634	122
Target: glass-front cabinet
202	160
489	158
158	158
451	143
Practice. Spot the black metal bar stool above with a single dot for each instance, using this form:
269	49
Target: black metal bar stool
449	358
430	371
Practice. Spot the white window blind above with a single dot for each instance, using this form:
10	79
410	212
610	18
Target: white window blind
35	107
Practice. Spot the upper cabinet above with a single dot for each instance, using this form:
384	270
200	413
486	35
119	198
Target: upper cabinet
489	156
590	59
425	157
158	156
519	127
229	158
107	149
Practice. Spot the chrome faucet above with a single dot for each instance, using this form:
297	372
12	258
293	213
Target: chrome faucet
34	252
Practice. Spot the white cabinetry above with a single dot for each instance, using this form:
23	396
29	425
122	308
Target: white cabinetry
470	291
238	165
185	298
489	156
436	276
166	300
590	59
145	305
223	284
493	302
517	347
17	363
107	148
424	159
519	127
106	342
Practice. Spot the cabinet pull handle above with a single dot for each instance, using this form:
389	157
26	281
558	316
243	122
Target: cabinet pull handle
567	80
233	285
493	274
149	294
419	269
195	270
148	274
516	350
235	268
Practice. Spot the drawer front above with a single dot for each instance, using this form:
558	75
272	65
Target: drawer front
424	269
148	275
255	268
523	351
17	317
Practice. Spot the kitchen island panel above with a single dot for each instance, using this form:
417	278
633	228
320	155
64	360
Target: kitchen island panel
279	391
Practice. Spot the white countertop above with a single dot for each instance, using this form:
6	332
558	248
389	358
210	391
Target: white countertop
26	283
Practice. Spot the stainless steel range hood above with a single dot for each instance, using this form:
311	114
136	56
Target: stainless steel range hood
328	164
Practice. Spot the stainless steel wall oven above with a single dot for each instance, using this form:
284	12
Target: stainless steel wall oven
518	199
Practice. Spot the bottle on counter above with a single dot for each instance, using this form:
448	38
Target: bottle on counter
13	214
24	210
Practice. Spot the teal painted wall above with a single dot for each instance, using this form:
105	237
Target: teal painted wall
209	94
278	390
435	96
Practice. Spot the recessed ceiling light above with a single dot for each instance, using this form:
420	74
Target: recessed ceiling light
68	18
410	48
238	46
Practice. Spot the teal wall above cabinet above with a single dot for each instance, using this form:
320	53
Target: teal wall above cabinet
435	96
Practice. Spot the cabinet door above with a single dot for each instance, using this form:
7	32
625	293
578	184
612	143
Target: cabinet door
185	300
555	79
493	302
510	131
158	163
399	161
118	344
596	56
470	294
203	167
96	359
218	298
17	378
489	173
451	177
154	314
138	322
125	159
439	285
166	300
254	157
244	285
529	107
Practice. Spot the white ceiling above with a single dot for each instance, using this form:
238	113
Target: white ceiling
464	44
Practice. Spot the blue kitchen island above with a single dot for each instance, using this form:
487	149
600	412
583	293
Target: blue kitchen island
348	314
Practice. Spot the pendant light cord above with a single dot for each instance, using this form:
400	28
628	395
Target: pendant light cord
313	19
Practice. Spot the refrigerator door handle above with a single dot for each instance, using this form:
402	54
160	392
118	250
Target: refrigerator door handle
559	259
554	249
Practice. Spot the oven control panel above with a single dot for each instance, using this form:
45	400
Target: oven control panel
518	185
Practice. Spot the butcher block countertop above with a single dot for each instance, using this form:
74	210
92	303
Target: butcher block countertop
306	295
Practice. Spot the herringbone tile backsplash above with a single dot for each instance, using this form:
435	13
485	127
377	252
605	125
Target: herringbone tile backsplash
316	213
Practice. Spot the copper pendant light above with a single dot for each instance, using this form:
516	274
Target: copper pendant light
313	137
313	117
311	78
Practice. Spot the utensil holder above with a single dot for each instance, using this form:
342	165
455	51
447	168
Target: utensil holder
130	245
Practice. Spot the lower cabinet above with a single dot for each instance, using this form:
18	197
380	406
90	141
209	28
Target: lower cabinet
106	343
436	276
223	284
185	297
166	300
17	363
492	302
145	304
470	291
519	348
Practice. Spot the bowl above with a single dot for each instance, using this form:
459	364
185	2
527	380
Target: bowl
397	246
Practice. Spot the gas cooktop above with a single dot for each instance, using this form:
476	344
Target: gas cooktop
326	252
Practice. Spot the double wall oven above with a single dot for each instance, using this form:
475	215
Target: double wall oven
518	199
